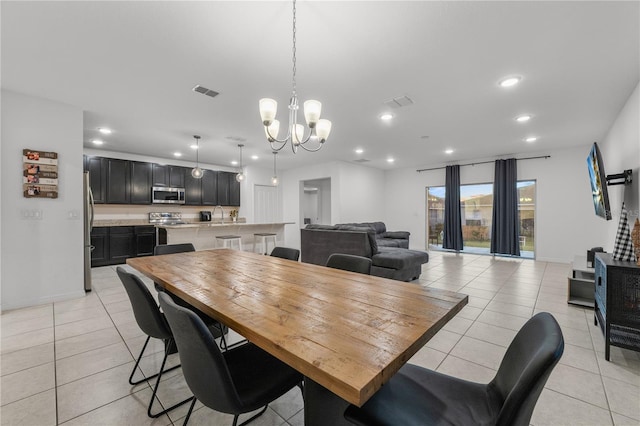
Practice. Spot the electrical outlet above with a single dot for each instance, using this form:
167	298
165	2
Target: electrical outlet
37	214
73	215
25	214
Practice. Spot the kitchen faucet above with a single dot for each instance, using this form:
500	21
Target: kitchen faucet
221	213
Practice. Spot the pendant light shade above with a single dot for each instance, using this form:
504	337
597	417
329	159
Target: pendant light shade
240	175
274	178
196	172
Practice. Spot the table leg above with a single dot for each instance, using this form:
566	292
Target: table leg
322	407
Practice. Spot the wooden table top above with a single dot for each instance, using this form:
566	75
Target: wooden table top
348	332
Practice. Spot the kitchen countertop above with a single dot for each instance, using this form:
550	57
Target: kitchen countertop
217	224
145	222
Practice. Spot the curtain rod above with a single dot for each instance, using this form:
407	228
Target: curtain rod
483	162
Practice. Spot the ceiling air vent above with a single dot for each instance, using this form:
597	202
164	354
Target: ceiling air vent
361	160
205	91
400	101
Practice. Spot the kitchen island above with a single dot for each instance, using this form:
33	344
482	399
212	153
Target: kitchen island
203	234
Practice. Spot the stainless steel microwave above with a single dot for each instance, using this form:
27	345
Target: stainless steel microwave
167	195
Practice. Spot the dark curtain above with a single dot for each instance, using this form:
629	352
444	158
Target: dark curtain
452	238
505	234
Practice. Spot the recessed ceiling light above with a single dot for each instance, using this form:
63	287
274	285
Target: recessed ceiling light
104	130
359	151
177	154
234	163
510	81
531	139
448	151
386	116
523	118
390	160
97	142
254	157
194	146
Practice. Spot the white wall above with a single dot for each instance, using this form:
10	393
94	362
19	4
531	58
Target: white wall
621	151
356	194
42	260
565	222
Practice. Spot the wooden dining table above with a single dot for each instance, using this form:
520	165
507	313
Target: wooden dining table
347	333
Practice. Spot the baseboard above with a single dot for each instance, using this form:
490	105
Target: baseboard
42	301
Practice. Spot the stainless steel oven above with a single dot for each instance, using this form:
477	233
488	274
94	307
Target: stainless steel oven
167	195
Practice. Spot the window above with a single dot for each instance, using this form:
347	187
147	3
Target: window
476	205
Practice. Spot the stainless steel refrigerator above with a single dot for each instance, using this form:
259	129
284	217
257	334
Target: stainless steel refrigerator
88	225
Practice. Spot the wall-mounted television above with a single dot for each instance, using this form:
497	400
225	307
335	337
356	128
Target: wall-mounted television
598	179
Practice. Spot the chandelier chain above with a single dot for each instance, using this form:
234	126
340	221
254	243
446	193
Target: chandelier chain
294	48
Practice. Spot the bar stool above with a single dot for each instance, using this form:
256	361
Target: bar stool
264	237
229	239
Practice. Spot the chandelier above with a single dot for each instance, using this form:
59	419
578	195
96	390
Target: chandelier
319	129
196	172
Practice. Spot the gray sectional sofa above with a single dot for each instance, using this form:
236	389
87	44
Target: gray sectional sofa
388	251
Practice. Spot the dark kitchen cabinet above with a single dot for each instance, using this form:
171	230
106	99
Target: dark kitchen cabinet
100	243
223	187
160	175
228	189
115	244
234	191
118	182
140	182
209	188
176	176
167	175
192	190
121	243
145	240
97	168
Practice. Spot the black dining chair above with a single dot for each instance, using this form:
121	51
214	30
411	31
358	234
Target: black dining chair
237	381
153	323
220	329
418	396
286	253
350	262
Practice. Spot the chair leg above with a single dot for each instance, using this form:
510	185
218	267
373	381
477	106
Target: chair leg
193	403
155	388
135	367
235	418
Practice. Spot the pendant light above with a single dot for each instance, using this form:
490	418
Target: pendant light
240	175
274	178
196	172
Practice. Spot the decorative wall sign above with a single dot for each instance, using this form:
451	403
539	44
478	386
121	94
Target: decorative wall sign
39	174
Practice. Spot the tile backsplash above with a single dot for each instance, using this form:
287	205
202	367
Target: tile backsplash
129	212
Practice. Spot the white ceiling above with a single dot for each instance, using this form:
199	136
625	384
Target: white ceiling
131	67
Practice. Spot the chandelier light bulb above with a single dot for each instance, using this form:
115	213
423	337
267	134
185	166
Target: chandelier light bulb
268	110
274	181
272	130
312	110
297	134
240	177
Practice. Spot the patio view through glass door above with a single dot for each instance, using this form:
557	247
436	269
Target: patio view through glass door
476	205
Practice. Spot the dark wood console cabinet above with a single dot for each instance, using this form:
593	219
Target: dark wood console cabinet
617	302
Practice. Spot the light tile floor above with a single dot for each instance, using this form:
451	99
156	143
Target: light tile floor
68	362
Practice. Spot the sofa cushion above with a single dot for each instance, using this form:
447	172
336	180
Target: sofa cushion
355	227
387	242
318	226
398	258
402	235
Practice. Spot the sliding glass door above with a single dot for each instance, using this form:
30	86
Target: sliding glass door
476	207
